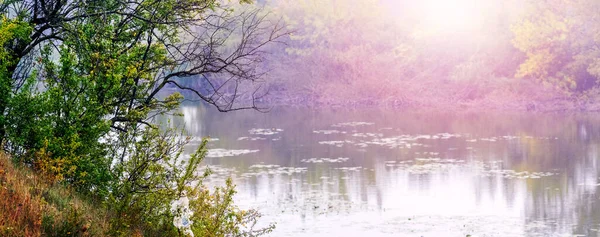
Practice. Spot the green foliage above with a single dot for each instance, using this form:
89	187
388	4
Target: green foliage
153	176
11	30
70	226
57	130
215	215
156	177
80	87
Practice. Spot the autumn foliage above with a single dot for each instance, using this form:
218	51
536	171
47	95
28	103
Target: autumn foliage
517	55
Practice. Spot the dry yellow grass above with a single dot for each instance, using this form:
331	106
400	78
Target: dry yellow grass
30	206
20	211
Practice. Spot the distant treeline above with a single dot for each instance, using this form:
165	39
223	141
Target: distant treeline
499	54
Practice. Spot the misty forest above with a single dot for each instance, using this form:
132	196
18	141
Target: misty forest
246	118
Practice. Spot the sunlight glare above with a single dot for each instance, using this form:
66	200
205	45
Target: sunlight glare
450	15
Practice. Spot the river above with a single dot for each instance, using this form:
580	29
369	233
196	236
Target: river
382	172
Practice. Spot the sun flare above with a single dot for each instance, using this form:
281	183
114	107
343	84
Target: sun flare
450	15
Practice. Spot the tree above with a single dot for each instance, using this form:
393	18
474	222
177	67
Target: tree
112	59
81	83
560	39
389	52
132	50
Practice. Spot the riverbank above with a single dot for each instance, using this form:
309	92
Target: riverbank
492	94
29	206
558	104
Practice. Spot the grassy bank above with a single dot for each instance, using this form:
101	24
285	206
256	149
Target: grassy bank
29	206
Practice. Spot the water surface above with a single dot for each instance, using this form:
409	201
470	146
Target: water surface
384	172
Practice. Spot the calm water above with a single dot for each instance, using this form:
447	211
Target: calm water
397	173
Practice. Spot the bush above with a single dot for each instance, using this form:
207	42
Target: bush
155	177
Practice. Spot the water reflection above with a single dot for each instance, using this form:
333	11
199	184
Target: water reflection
400	173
